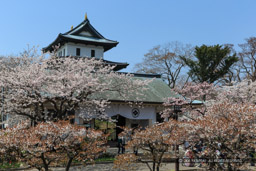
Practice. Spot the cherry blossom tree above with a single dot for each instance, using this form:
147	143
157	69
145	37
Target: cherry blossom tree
225	121
240	92
9	145
155	141
227	127
228	135
53	142
192	102
80	143
53	88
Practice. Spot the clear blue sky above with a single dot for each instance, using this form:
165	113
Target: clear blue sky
137	24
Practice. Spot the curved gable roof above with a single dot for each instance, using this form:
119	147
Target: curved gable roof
83	33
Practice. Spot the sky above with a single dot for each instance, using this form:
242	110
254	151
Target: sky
138	25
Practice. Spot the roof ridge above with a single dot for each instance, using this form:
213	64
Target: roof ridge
83	22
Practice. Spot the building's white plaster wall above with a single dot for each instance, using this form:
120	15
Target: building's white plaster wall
85	50
61	49
147	116
146	112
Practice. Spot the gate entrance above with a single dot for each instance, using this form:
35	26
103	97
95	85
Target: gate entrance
120	123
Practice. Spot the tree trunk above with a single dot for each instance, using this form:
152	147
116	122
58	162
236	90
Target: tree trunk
229	167
154	165
69	164
46	166
160	160
177	164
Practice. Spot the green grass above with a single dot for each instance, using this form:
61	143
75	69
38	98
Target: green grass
104	159
9	165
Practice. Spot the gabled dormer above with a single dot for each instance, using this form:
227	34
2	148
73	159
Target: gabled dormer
83	40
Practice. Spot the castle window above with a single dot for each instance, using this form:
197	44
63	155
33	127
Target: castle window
64	52
77	51
92	53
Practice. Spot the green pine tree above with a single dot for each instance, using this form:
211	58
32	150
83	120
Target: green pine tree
211	64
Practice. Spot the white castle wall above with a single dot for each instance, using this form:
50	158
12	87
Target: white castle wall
85	50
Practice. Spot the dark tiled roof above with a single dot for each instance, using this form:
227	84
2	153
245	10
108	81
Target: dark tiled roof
118	65
74	36
156	92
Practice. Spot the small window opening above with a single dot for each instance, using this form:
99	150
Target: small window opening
77	51
92	53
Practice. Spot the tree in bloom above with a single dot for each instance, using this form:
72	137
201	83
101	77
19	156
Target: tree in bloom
155	141
53	88
81	144
227	133
193	101
225	122
10	142
50	142
240	92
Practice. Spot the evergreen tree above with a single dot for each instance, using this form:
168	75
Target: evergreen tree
211	64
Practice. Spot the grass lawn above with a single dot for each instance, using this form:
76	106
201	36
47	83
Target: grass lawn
105	159
6	165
